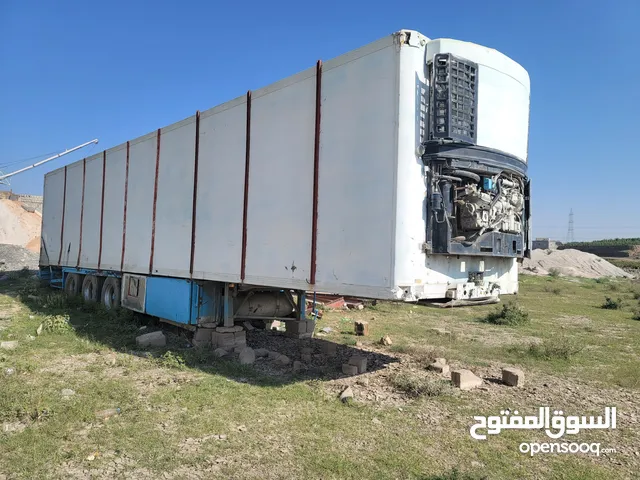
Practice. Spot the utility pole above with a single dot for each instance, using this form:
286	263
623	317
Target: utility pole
570	237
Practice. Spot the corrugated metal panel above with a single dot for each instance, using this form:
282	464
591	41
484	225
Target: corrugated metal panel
218	248
358	155
280	207
52	218
73	203
142	164
172	249
91	215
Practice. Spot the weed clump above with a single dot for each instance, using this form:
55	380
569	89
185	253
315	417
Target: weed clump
554	272
554	290
55	324
510	314
171	360
610	304
555	348
416	386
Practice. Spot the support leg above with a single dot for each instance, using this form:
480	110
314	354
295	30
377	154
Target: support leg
228	306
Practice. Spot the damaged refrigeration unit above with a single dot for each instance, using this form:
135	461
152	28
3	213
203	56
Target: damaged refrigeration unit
396	171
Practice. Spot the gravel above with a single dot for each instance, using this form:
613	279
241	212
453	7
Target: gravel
15	257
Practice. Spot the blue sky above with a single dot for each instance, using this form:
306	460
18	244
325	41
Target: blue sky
72	71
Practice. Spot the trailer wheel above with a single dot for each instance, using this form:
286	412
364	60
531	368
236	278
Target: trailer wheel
73	284
110	295
91	288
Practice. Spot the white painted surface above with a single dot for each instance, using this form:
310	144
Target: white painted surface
357	169
281	184
71	237
371	218
218	249
53	191
115	168
503	95
91	215
142	167
172	251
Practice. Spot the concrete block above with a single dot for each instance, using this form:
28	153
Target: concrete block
202	337
465	379
247	356
226	340
349	369
248	326
513	377
240	338
233	329
361	328
360	362
330	349
311	326
441	360
153	339
220	352
439	367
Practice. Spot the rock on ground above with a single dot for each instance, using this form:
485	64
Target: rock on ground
247	356
153	339
570	262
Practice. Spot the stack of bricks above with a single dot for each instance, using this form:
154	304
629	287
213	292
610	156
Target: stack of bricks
229	337
300	328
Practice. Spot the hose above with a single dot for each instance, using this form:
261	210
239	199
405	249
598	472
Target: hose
465	174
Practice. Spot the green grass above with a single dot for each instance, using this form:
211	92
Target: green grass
175	399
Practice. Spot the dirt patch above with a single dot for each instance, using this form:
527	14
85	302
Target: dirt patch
570	262
17	225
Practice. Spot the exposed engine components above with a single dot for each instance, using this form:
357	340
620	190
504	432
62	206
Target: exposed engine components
483	209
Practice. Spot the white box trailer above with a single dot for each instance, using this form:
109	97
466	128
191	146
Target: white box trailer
394	171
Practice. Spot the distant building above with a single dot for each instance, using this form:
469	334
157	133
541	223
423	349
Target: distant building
545	244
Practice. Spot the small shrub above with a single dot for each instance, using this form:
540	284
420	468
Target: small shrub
28	286
636	314
614	287
54	301
55	324
554	272
556	348
511	314
610	304
417	386
636	295
554	290
171	360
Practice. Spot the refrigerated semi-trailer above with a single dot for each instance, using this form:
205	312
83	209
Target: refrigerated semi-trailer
396	171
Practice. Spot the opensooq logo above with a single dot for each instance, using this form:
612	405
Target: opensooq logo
555	426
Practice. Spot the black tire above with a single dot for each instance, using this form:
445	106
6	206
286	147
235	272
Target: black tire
91	288
110	293
73	284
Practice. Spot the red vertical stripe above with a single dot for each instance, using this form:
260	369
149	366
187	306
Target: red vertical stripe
104	168
84	170
155	201
124	215
243	264
64	202
316	163
195	193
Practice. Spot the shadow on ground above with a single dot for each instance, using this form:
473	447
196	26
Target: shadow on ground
118	331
